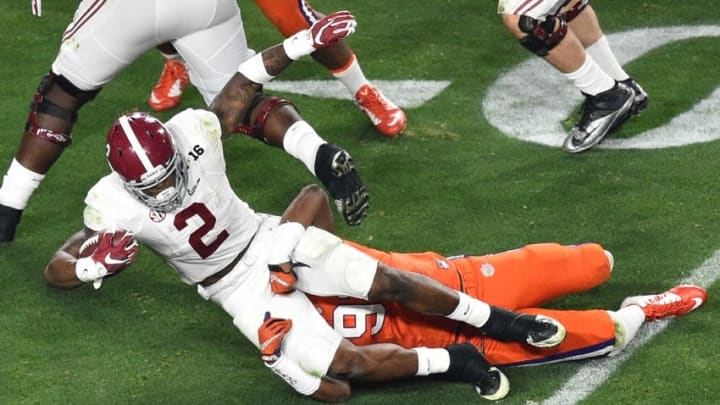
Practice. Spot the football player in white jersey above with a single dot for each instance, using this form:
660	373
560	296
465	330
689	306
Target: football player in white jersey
168	189
107	36
567	34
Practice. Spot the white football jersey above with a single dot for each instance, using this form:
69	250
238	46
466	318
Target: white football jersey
210	228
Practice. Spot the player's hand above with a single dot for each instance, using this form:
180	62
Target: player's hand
331	28
270	335
116	250
36	6
323	33
282	278
108	253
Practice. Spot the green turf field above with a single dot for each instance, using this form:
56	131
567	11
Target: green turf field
453	183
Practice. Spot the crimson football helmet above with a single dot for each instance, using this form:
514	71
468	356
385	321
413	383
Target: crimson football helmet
140	149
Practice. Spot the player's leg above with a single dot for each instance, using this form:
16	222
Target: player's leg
583	21
277	122
331	267
590	334
543	32
291	16
534	274
95	47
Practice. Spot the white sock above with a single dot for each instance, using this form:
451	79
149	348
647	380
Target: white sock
302	142
471	311
432	361
18	185
627	322
351	75
589	78
605	58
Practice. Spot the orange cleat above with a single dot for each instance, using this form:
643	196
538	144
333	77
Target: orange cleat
388	118
676	301
168	91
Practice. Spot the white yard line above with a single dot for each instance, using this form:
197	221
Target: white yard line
594	374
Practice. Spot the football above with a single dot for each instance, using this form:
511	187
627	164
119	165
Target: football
88	247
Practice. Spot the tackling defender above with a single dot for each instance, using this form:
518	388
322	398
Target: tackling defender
104	38
520	279
567	34
289	17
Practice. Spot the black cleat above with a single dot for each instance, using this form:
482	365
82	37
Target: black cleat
9	219
600	113
535	330
335	168
641	99
468	365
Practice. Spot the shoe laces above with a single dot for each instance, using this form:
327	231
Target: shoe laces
369	97
173	71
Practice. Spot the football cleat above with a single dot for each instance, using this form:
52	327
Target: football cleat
600	113
641	100
169	89
387	118
545	332
676	301
535	330
9	220
468	365
335	169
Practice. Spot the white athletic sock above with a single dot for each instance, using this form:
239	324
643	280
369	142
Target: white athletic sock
432	361
627	322
605	58
589	78
18	185
351	75
471	311
302	142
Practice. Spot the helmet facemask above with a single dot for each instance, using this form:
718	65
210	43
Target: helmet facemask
171	197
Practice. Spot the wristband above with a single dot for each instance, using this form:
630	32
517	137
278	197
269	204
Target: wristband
285	239
254	69
299	45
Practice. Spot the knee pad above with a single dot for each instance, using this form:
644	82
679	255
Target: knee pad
266	104
332	267
542	36
575	10
44	102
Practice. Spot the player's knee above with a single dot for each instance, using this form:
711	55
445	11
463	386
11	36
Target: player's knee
268	117
542	36
54	108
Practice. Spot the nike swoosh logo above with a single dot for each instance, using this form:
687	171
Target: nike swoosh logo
175	90
191	190
110	260
698	302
